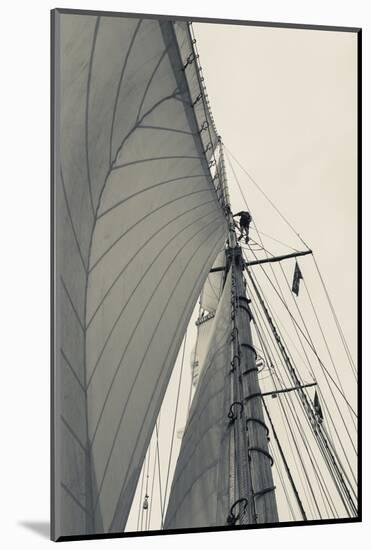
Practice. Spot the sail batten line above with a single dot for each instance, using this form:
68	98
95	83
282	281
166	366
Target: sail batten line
157	66
75	499
141	364
73	433
72	304
138	125
186	309
165	129
175	157
150	214
87	110
120	84
68	363
180	178
141	280
71	221
133	257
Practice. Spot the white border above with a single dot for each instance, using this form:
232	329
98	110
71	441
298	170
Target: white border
24	219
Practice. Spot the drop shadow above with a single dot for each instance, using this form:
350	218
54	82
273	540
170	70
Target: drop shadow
42	528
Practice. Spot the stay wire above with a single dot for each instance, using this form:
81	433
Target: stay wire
338	471
153	477
174	422
310	499
305	415
341	334
265	195
286	466
141	495
327	346
313	349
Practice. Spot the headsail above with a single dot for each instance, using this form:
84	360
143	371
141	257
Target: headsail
199	494
138	228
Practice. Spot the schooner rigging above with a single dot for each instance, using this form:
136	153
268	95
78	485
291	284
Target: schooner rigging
146	231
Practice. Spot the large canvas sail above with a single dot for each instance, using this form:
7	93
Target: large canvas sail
199	495
139	226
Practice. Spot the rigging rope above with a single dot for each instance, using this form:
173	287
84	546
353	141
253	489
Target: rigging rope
310	345
300	504
333	465
153	476
326	344
265	195
174	424
341	334
287	423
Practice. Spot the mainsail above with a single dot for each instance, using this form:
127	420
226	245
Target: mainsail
139	226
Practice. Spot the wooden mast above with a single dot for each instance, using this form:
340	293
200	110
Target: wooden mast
255	491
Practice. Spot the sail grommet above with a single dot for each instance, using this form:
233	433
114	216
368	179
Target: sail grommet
231	414
232	518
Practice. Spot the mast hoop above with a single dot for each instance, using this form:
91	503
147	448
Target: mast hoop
232	518
262	451
258	421
249	346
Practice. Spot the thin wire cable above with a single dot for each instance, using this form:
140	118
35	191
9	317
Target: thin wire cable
159	474
174	423
327	346
265	195
141	494
305	416
153	475
341	334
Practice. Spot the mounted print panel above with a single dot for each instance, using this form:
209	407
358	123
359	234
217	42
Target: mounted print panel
203	374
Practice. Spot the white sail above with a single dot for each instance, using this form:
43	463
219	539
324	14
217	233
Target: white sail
199	493
213	285
138	227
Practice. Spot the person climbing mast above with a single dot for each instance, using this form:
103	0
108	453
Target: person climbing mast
245	219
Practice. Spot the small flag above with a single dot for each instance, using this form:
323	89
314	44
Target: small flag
317	407
296	280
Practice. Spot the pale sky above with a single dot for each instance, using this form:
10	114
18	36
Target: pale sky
284	102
